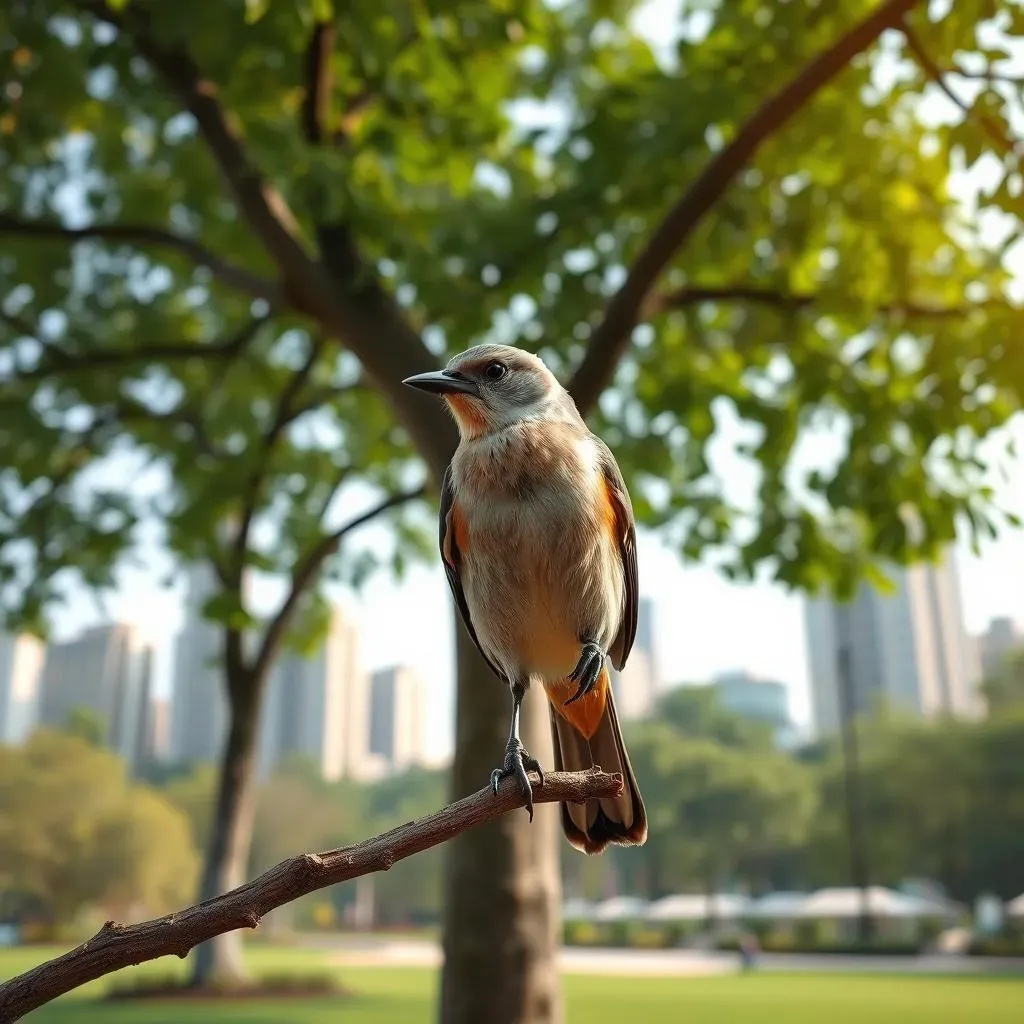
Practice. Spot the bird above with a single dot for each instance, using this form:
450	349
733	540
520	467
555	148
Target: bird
538	542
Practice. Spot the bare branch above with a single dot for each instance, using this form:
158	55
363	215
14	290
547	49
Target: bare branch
938	76
131	411
283	416
117	945
611	337
58	361
691	295
988	75
309	566
150	237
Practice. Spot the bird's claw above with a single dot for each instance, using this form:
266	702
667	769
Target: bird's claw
517	761
587	670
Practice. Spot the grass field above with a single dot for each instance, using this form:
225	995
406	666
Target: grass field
407	996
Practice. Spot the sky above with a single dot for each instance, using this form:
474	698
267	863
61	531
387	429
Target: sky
703	623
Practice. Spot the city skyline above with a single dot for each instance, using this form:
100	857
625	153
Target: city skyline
979	615
703	624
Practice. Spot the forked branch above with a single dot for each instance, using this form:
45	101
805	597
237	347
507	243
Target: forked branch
611	337
116	945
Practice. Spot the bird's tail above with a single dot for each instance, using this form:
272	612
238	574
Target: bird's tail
620	820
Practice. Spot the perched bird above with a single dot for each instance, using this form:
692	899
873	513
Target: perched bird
539	546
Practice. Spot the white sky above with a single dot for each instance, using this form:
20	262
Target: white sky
704	624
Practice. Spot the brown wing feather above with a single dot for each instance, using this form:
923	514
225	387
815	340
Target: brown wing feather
626	524
451	559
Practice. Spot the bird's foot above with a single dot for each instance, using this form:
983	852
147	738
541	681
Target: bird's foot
587	670
517	761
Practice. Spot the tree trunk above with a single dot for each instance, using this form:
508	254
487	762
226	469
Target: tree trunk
502	907
219	961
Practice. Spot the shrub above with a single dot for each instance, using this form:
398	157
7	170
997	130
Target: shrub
1006	944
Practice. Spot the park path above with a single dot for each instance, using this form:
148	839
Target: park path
377	951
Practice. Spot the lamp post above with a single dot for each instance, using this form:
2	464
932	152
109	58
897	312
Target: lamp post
859	868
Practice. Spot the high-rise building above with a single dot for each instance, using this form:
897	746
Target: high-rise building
637	686
764	700
908	649
102	671
151	734
159	733
994	645
199	705
397	726
21	670
757	699
319	708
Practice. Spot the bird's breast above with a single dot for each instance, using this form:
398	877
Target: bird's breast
539	564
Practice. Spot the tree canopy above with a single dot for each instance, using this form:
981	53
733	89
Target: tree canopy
495	172
74	832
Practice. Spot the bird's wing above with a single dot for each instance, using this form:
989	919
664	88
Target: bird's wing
625	527
451	557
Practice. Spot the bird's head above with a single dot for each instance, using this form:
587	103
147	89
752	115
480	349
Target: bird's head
491	387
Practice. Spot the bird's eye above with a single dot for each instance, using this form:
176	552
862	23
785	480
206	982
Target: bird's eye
495	371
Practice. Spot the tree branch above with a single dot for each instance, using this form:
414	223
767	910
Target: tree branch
380	336
264	208
307	568
690	295
151	237
318	397
61	362
283	416
117	945
611	337
131	411
988	76
369	93
938	76
319	82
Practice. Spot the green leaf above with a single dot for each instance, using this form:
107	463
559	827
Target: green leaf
255	10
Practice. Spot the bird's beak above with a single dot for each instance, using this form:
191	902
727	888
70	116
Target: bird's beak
443	382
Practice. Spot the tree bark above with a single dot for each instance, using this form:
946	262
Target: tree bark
502	907
219	962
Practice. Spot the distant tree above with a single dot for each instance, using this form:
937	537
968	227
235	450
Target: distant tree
1003	690
697	712
412	889
195	795
145	855
87	725
716	811
942	800
295	813
74	832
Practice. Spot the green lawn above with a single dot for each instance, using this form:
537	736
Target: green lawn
403	996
